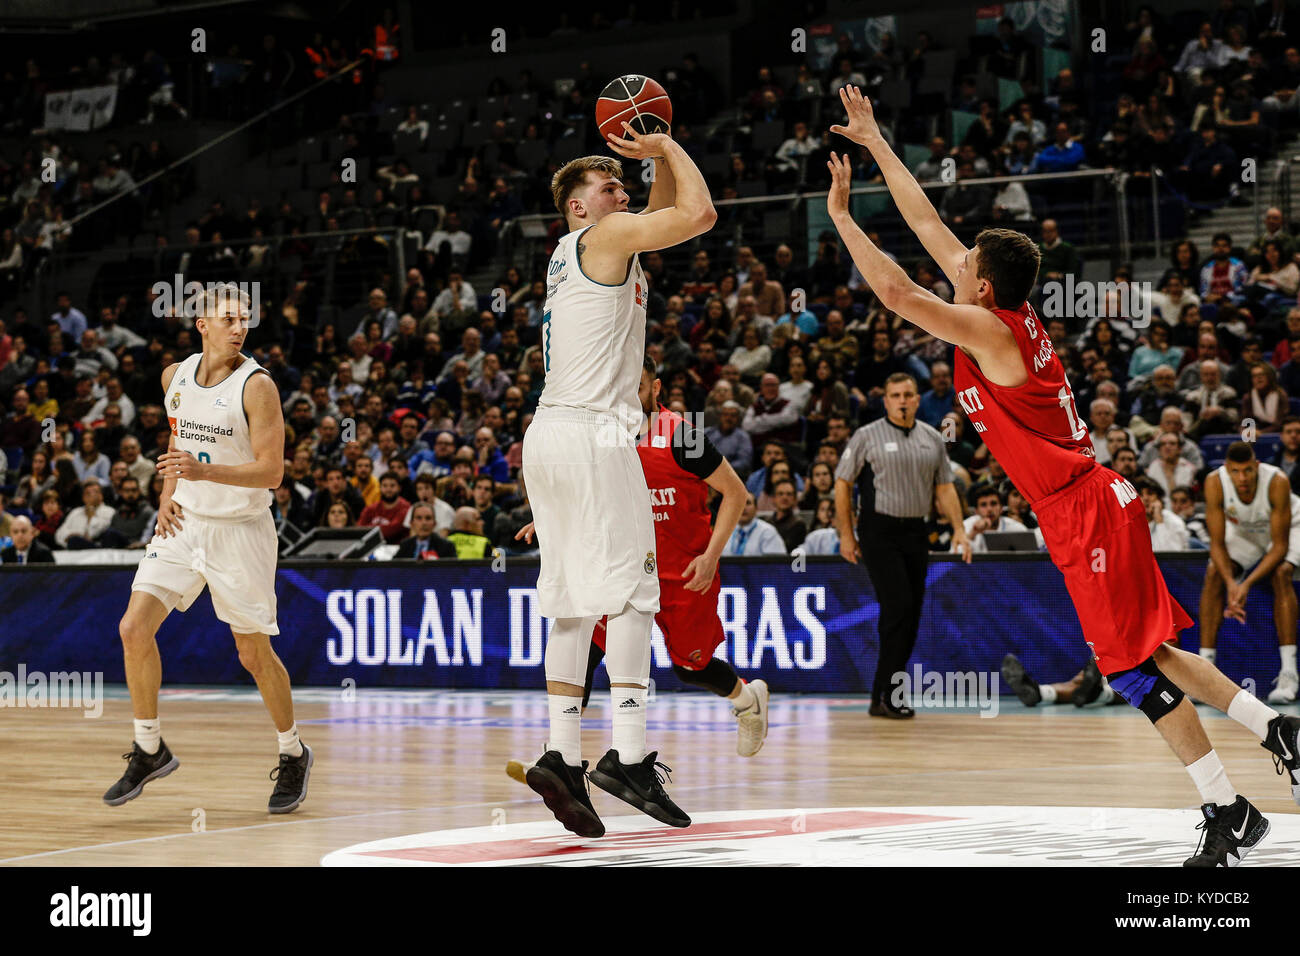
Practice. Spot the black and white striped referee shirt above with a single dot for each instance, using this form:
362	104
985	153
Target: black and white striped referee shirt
896	469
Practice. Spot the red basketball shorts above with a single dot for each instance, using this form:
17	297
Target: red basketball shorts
1097	535
689	622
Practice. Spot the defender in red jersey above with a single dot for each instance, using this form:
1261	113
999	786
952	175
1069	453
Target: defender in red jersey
1014	391
681	465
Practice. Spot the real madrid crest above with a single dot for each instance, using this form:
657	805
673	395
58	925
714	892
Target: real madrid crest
649	562
176	401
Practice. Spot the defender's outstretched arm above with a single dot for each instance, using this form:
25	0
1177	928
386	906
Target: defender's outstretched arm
921	216
968	326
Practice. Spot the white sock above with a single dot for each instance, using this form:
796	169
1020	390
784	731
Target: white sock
148	734
1208	654
745	699
1287	652
289	741
1107	693
1048	692
629	723
566	728
1251	712
1212	780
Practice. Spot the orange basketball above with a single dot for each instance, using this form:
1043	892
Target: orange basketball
636	100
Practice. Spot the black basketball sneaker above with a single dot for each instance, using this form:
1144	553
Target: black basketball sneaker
1283	742
1230	833
564	791
1089	688
290	782
641	785
1026	688
140	769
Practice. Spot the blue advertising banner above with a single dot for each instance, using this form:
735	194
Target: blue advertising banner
803	625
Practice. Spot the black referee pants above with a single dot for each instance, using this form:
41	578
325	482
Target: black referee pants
896	554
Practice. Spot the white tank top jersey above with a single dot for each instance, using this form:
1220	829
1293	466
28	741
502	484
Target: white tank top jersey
1252	520
211	424
593	337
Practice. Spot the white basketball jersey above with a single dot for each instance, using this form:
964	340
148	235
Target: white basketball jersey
593	337
1253	520
211	424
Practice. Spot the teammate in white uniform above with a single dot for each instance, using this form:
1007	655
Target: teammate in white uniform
1254	524
215	529
582	473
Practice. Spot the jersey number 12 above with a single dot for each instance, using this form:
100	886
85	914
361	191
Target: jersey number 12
1077	429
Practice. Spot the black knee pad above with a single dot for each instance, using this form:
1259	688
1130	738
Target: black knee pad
1148	689
716	676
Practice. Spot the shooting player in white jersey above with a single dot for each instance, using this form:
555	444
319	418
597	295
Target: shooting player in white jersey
591	507
1254	522
214	528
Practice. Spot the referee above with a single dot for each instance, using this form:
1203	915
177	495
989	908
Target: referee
899	465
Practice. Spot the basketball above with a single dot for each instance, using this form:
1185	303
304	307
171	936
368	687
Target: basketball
634	99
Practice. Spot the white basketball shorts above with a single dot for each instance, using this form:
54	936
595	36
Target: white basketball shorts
591	511
1247	550
235	559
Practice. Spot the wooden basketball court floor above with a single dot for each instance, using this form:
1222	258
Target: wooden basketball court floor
394	763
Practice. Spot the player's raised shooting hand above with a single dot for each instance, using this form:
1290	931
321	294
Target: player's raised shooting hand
525	533
862	127
837	200
181	464
639	145
699	573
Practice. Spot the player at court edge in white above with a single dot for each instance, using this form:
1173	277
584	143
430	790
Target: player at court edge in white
1254	523
215	528
591	506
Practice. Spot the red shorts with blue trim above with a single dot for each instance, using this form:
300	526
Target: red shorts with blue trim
689	622
1096	532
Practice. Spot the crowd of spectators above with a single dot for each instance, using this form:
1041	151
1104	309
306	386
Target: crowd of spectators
426	403
421	395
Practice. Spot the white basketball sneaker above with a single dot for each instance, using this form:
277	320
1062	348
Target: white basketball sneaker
1285	688
752	723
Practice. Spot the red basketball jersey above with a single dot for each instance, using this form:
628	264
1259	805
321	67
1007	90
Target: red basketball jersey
1034	430
678	497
